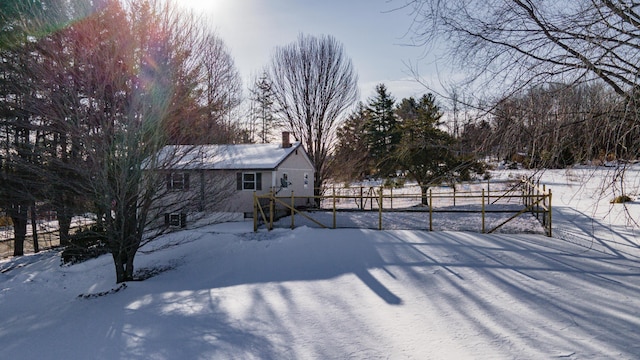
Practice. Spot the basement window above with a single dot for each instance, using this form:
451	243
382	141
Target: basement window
175	219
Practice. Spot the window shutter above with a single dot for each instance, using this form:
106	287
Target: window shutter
166	219
183	220
239	180
258	181
186	181
169	181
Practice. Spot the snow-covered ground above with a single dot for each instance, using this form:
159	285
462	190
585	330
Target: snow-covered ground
224	292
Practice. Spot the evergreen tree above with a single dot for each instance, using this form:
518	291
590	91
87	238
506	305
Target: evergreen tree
21	129
381	131
425	151
352	160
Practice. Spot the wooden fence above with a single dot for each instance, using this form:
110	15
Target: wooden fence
520	197
45	228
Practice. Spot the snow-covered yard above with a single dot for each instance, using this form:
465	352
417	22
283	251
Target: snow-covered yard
308	293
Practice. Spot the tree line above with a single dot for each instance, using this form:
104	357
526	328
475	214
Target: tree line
553	81
386	140
556	125
90	91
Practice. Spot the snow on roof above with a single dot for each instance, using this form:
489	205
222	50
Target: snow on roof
225	157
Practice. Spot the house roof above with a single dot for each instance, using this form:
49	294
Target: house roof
225	157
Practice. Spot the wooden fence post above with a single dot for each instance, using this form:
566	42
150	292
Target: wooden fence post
488	191
525	192
537	190
550	216
334	207
544	204
380	210
255	212
483	221
272	209
293	204
430	210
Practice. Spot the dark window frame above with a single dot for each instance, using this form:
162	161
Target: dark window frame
245	183
178	181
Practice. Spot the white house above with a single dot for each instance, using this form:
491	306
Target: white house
223	178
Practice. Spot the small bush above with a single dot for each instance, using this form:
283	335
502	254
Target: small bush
394	183
388	183
85	244
620	199
5	221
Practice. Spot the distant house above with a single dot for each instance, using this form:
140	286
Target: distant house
222	179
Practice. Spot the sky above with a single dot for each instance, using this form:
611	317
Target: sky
373	33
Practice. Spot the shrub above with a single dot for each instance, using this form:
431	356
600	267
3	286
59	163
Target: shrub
5	221
620	199
85	244
394	182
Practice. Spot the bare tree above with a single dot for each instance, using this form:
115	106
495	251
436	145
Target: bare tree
221	87
506	48
527	42
262	112
314	84
558	125
109	100
133	108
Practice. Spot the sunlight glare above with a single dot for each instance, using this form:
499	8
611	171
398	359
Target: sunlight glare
203	5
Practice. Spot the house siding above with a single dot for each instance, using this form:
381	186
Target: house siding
296	166
214	191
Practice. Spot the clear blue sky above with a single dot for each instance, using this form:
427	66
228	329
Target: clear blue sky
372	34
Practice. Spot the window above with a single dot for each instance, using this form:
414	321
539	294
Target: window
175	219
178	181
249	181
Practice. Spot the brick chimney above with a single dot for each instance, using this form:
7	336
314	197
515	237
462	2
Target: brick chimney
286	142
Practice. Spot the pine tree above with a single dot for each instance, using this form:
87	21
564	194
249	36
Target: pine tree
352	160
426	151
381	130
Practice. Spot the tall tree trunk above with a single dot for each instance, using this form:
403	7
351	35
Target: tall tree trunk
123	261
34	228
126	242
19	218
120	267
64	224
424	189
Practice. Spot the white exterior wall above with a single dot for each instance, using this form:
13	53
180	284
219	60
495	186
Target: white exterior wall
242	200
300	176
207	195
